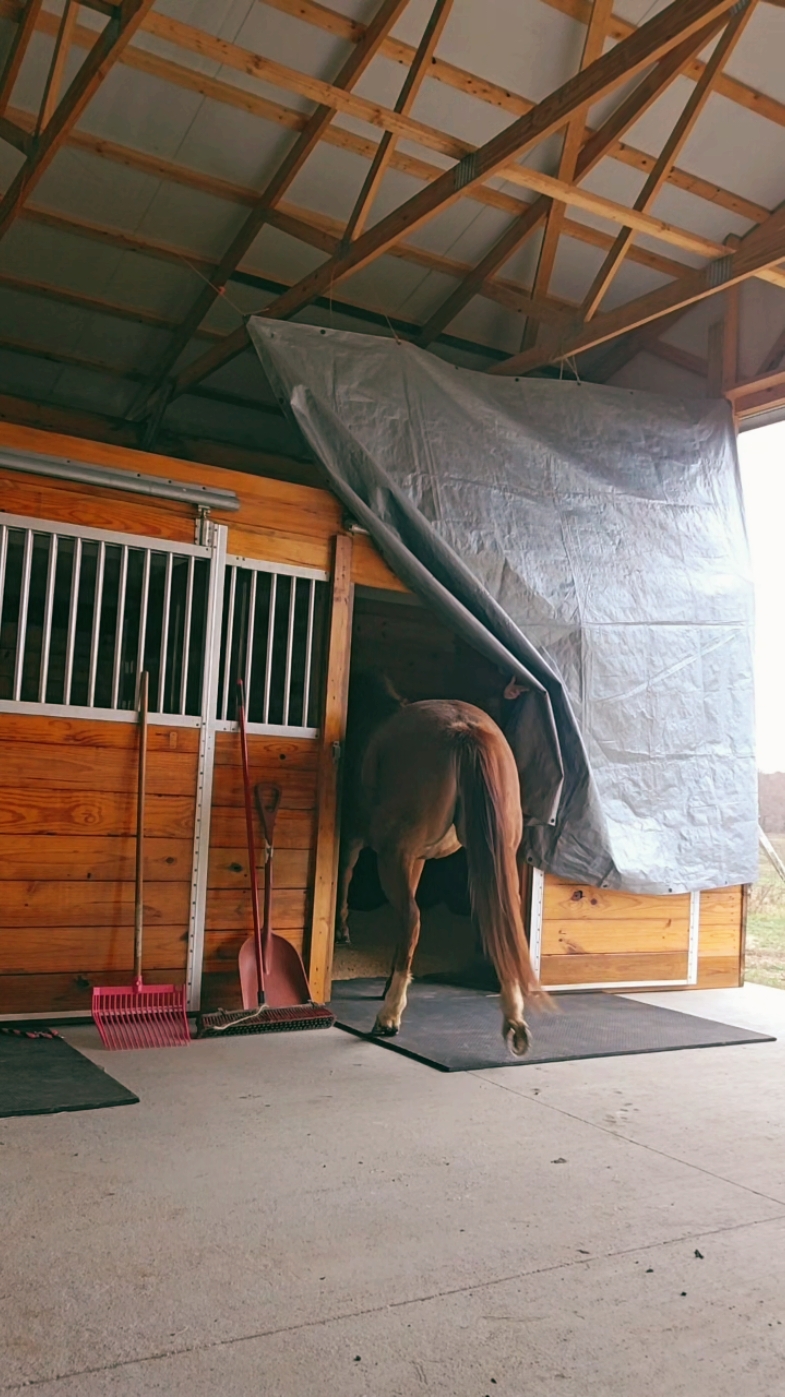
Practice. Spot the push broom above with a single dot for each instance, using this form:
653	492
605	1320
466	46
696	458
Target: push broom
139	1015
275	990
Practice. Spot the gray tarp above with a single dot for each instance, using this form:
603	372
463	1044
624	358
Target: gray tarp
590	540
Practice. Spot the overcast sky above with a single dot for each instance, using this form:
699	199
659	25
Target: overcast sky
762	455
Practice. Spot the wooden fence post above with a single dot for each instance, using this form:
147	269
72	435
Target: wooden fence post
333	732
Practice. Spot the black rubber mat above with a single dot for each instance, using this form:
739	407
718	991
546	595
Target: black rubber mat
43	1074
459	1030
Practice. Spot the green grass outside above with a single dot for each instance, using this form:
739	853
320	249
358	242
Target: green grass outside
765	958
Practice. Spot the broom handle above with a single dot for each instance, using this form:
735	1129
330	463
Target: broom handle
257	928
140	798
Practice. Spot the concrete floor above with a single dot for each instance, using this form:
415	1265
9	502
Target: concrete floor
305	1214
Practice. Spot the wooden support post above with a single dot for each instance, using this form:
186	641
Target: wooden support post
328	814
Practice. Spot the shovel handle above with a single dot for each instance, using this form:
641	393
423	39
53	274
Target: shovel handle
140	801
268	798
257	928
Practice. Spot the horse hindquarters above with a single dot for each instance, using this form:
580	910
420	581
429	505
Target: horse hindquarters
490	832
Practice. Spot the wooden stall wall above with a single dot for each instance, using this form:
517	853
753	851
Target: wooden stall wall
721	944
599	936
67	850
67	785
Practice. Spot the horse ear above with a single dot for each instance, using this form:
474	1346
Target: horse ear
514	689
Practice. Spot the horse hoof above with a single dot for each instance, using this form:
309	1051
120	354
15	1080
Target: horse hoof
342	938
518	1038
383	1030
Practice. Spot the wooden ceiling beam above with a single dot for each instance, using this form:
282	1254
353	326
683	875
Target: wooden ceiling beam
240	98
214	187
106	51
341	26
574	135
739	92
351	71
26	23
655	38
760	250
57	66
419	71
679	135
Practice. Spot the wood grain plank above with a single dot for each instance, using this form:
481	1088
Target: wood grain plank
230	910
62	904
46	811
294	829
92	858
97	950
298	788
615	936
295	550
89	732
88	769
602	969
66	993
98	508
369	568
271	755
581	902
228	868
718	972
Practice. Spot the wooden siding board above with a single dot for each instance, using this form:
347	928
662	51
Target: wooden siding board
610	969
52	811
99	950
96	858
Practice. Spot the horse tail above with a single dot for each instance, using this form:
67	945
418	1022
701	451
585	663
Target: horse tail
493	871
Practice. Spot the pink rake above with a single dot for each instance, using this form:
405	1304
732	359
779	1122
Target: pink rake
138	1015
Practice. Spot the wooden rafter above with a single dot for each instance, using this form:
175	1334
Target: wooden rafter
760	250
27	21
105	52
679	135
193	80
352	70
341	26
596	147
735	91
660	34
415	77
57	66
596	31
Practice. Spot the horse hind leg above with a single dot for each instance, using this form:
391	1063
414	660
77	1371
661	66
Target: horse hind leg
351	848
515	1029
399	878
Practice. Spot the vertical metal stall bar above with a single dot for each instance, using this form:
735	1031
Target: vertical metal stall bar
189	602
287	683
161	695
308	651
46	638
24	601
268	664
143	604
76	577
249	639
228	643
3	557
98	597
118	634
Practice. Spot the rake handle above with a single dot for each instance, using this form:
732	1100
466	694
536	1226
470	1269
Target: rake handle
140	803
257	927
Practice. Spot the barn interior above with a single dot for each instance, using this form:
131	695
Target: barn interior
549	192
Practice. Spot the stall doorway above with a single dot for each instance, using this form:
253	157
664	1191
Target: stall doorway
396	634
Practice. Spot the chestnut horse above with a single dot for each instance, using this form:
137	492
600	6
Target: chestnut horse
421	780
